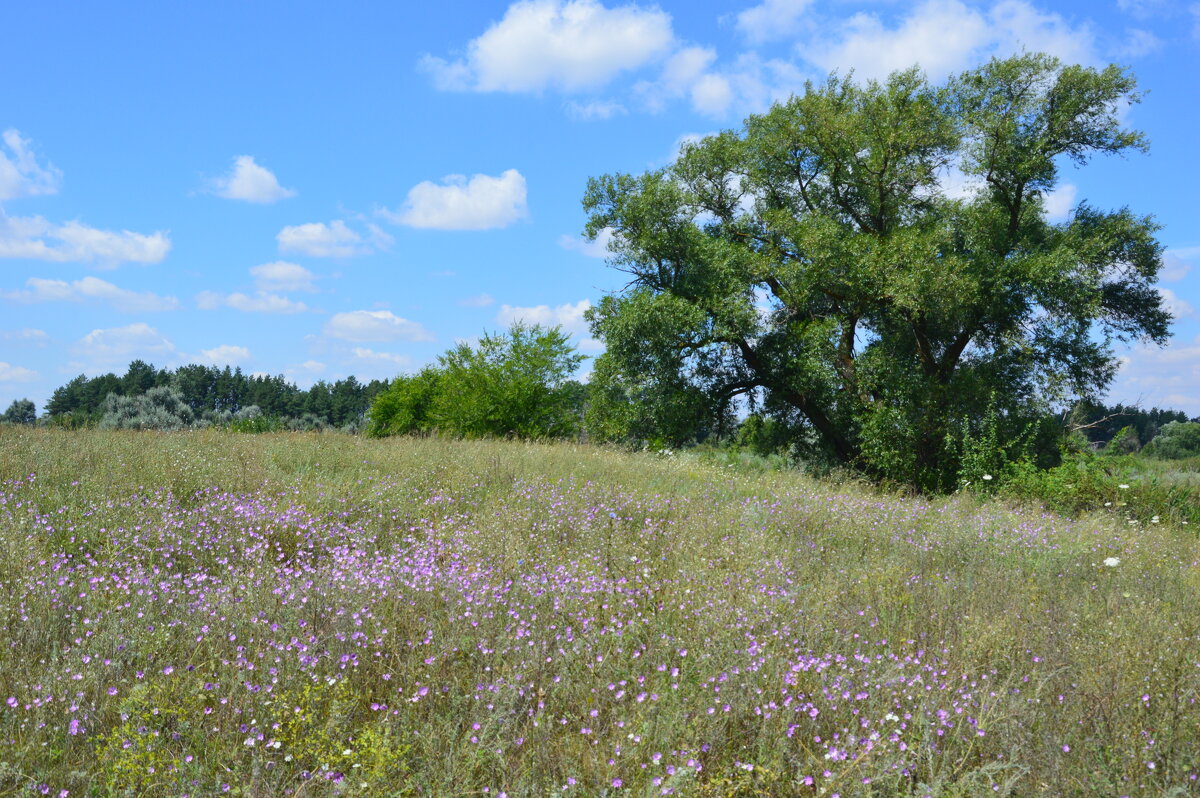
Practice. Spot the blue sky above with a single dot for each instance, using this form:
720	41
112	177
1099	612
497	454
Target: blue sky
321	190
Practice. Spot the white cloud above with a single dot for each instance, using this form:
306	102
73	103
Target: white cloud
126	301
481	203
1139	43
371	356
123	343
283	276
262	302
772	19
480	301
591	345
540	44
946	36
10	373
569	317
250	182
34	238
595	109
1177	263
1060	202
225	355
363	326
20	173
320	240
597	248
749	84
1160	376
28	335
1179	308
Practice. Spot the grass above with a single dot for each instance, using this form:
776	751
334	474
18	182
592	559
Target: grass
209	613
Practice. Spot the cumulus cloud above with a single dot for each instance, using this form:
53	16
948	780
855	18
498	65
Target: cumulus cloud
371	356
20	173
597	248
1138	43
568	316
1059	203
365	326
91	288
225	355
772	19
124	343
262	302
947	36
1177	307
249	182
478	301
28	336
283	276
10	373
320	240
595	109
35	238
748	84
571	46
1161	376
1177	263
480	203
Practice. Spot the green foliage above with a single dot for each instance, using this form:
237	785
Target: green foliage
1121	485
1177	441
160	408
405	407
516	383
814	265
1124	442
21	411
1100	423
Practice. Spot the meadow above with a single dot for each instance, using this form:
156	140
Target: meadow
205	613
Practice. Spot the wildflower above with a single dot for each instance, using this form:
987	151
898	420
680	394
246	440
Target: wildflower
1123	486
987	477
249	742
1112	562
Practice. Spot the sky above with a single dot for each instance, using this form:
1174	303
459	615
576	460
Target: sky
322	190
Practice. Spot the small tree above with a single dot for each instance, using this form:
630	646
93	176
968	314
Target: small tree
160	408
21	411
515	383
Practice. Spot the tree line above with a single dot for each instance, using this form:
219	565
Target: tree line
195	394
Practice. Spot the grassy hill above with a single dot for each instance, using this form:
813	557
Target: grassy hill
300	614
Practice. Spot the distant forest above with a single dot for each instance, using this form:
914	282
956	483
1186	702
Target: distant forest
218	395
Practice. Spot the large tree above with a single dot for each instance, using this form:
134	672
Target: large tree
875	265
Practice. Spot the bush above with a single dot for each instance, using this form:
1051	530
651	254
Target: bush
517	383
160	408
1177	441
1086	482
21	411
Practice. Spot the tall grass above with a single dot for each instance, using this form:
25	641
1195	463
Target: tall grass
210	613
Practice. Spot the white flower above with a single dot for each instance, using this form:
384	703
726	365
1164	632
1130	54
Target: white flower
1123	487
1154	520
987	477
249	742
1112	562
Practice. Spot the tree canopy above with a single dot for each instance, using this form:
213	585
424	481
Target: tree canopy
513	383
872	264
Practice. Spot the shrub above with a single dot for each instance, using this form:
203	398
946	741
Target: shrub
160	408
